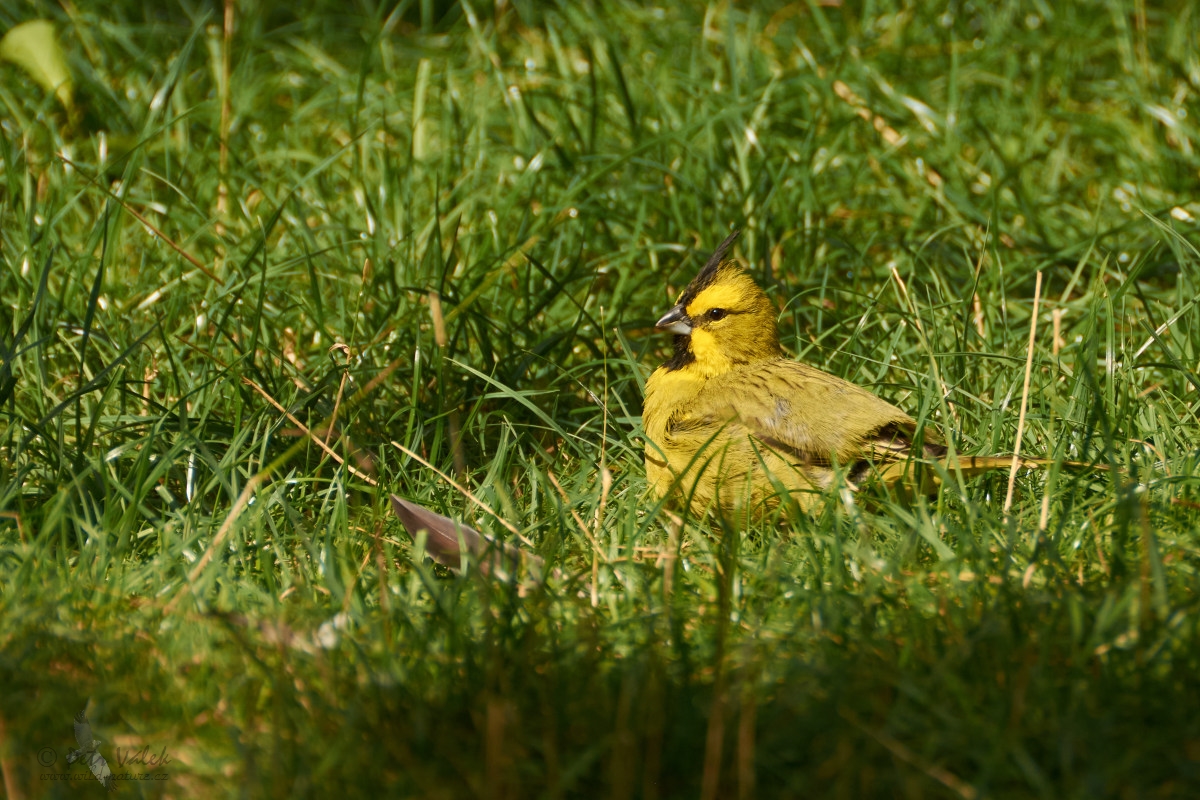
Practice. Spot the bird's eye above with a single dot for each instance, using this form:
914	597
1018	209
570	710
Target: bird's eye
715	314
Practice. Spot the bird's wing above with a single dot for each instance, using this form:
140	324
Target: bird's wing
83	731
802	413
100	769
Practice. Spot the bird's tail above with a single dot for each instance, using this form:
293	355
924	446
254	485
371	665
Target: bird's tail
928	473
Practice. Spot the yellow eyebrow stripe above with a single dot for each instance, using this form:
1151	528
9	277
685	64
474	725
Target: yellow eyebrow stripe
718	296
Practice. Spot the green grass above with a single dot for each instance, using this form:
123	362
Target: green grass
556	173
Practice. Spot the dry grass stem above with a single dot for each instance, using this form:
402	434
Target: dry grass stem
1016	459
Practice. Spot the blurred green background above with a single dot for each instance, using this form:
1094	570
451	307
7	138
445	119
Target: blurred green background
450	226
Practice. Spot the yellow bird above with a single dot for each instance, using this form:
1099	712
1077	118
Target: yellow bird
731	422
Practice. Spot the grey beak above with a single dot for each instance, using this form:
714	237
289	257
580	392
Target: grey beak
676	321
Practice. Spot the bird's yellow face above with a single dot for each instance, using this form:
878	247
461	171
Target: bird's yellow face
722	319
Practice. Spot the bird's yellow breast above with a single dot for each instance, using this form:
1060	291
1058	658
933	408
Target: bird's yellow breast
709	460
667	391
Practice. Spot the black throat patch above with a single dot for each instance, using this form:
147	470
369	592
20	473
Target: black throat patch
683	354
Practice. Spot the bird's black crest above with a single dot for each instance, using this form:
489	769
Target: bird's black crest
708	272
